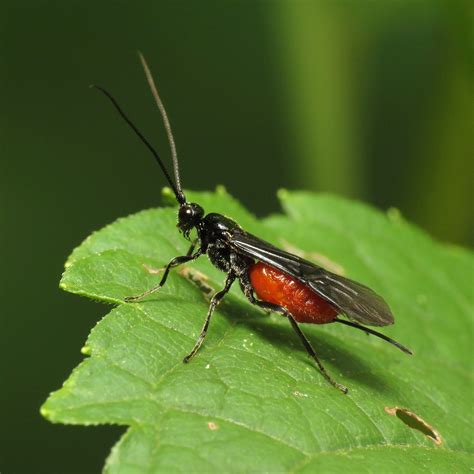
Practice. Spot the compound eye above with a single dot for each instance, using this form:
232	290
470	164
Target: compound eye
185	213
189	215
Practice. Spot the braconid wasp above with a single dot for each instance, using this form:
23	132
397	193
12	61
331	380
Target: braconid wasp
270	278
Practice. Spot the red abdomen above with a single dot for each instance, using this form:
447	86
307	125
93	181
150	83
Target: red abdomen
274	286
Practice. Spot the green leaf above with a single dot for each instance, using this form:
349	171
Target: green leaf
251	400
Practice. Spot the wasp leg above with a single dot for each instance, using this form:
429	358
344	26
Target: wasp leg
248	291
375	333
174	263
192	247
215	300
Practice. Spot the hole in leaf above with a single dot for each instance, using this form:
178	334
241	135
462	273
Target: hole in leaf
413	421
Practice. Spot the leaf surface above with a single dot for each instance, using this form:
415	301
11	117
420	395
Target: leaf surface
251	400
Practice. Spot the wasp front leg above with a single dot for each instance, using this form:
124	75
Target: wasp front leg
192	247
175	262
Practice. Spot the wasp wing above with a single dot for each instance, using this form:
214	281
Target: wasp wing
356	301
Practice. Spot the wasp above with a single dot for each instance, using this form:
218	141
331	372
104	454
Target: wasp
270	278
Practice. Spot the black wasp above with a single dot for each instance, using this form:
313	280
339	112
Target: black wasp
269	277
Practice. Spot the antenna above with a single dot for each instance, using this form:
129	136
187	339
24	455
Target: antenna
375	333
166	122
178	193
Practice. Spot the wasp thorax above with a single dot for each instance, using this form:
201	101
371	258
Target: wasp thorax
189	215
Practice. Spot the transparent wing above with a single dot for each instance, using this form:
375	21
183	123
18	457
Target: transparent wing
356	301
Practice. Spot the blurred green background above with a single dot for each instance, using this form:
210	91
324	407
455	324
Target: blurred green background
371	100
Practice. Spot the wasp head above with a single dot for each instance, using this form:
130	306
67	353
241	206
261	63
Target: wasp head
189	216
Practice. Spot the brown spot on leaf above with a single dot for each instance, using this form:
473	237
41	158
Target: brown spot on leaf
315	257
212	426
152	270
197	278
412	420
299	394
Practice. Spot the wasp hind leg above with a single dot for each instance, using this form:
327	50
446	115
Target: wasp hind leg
248	292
